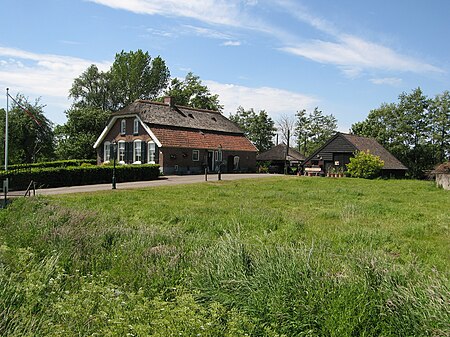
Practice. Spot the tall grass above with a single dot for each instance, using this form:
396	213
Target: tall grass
284	257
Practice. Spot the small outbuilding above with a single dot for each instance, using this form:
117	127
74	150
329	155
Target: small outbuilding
277	157
335	154
442	173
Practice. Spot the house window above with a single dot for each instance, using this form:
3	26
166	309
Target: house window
195	155
137	152
136	126
123	126
151	152
121	152
106	152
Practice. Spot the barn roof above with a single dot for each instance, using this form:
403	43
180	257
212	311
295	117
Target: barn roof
360	143
278	152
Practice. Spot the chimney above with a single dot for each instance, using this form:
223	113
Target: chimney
168	100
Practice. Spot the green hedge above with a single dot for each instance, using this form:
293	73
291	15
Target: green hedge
48	164
79	175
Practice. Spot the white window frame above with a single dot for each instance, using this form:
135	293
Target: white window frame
106	152
137	151
123	126
236	160
151	152
136	126
195	155
120	158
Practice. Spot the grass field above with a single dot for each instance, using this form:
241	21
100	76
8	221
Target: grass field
283	256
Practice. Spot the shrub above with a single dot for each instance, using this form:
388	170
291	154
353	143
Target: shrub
365	165
48	164
79	175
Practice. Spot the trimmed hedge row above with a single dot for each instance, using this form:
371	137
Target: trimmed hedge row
58	163
79	175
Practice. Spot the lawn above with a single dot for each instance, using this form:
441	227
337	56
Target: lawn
283	256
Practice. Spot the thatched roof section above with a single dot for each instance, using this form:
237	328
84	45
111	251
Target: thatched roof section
375	148
278	153
442	168
155	113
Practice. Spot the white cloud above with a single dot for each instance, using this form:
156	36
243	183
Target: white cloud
231	43
46	75
273	100
206	32
393	81
353	54
211	11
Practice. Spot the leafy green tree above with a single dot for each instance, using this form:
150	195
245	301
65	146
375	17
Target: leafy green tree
259	128
313	130
365	165
92	89
30	133
415	130
191	92
75	139
440	125
134	75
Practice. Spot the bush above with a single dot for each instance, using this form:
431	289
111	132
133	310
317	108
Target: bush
48	164
365	165
79	175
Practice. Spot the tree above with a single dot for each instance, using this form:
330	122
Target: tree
134	75
92	89
314	129
191	92
259	128
286	124
440	125
365	165
415	130
75	139
30	133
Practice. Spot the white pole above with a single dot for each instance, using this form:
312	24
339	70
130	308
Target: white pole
6	129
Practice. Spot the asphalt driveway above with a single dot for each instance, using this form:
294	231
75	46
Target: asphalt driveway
162	181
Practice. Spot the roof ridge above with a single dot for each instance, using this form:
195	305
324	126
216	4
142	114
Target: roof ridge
147	101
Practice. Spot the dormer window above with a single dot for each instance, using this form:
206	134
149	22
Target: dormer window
136	126
123	126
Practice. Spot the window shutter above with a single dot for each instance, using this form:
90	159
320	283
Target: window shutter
101	150
156	154
128	152
144	152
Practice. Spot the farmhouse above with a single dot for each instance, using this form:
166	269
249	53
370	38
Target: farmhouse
181	140
338	150
278	157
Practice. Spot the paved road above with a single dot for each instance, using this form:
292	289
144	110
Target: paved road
162	181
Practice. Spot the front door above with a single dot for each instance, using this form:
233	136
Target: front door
211	161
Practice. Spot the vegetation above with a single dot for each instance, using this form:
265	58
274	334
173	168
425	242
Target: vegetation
57	163
83	174
258	127
416	130
281	257
192	93
313	130
365	165
30	132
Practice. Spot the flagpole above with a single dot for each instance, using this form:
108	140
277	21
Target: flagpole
6	129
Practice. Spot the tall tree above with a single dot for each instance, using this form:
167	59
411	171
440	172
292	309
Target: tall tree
286	125
92	89
30	132
314	129
134	75
440	125
74	139
258	127
191	92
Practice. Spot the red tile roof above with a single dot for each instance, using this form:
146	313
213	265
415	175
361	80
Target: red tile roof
175	137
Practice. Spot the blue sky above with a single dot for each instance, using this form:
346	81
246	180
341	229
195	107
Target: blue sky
346	57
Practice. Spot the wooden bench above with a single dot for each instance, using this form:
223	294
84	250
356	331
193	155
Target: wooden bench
313	171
